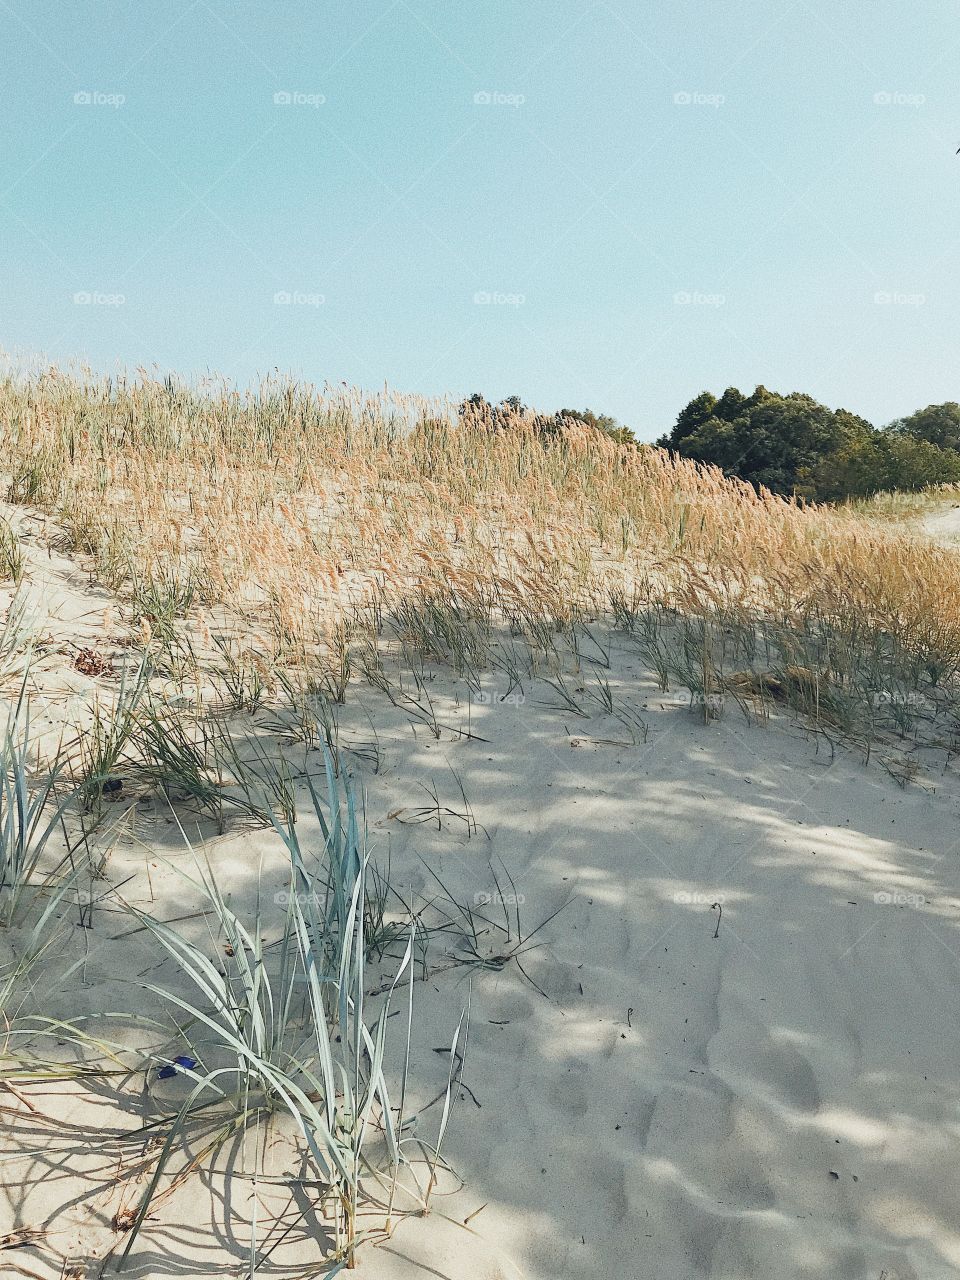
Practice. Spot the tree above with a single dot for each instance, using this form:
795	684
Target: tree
792	444
694	415
886	460
775	441
937	424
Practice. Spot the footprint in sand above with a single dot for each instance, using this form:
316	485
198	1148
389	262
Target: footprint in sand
568	1092
505	1005
788	1073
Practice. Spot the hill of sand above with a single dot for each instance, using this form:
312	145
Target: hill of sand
664	1091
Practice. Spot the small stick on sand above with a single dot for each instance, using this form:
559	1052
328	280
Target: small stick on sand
20	1098
719	909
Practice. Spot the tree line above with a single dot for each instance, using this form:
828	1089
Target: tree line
791	444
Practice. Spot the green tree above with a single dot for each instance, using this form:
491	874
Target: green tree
884	461
775	441
937	424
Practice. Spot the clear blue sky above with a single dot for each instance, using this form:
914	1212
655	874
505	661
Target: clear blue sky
734	154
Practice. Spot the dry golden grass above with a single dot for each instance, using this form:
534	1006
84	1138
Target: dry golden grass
293	508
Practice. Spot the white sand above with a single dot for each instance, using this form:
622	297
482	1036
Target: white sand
943	523
781	1101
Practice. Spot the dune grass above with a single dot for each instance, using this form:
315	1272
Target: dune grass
304	512
306	538
290	1026
31	809
296	1027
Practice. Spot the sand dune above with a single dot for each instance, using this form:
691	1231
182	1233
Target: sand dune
649	1100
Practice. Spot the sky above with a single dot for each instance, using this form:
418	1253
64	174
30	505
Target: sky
613	205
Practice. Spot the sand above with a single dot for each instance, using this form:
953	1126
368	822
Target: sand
943	523
654	1102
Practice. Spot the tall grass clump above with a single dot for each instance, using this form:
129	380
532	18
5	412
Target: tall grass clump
17	637
30	813
12	559
103	740
34	879
289	1028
